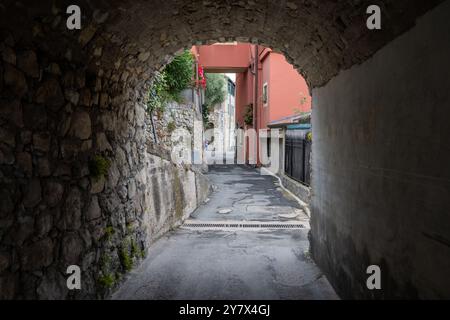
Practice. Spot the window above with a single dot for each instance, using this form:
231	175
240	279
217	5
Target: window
265	94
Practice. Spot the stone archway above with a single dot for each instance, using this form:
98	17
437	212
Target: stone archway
68	95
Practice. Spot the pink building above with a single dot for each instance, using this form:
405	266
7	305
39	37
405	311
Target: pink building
282	92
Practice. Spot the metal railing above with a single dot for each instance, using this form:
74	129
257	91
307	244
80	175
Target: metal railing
297	158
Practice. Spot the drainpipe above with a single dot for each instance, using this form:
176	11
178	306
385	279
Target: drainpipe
255	100
155	136
197	92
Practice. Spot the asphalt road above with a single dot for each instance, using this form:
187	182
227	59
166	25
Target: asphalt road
227	263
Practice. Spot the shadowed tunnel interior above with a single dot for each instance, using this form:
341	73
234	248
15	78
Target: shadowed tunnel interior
380	174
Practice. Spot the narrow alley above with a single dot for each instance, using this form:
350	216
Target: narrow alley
231	263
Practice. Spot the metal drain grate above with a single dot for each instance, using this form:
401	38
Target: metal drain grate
243	225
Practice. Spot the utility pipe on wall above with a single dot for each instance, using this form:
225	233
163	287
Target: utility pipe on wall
255	86
255	99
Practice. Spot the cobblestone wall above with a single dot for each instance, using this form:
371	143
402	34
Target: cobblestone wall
60	122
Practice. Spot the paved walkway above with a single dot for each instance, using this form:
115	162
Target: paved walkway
223	263
243	194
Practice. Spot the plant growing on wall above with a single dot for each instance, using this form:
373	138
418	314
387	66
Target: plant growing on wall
98	167
248	116
179	73
303	100
158	95
168	84
205	114
171	126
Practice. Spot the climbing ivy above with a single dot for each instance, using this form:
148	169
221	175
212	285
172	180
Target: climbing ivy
158	95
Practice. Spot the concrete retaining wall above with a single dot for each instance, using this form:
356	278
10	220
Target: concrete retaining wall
298	189
381	174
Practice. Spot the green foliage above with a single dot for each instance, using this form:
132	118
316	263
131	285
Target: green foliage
158	96
107	280
205	113
130	228
248	116
129	250
136	251
105	261
171	126
168	84
215	92
109	231
99	166
179	73
127	261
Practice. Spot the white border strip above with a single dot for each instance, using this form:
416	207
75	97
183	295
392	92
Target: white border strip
304	206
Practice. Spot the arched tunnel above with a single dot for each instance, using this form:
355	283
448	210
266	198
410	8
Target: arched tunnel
380	168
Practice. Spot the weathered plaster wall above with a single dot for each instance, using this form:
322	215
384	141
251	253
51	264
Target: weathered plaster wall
380	189
288	91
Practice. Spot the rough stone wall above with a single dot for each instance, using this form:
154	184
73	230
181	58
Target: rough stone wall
175	116
380	188
318	38
56	116
216	117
